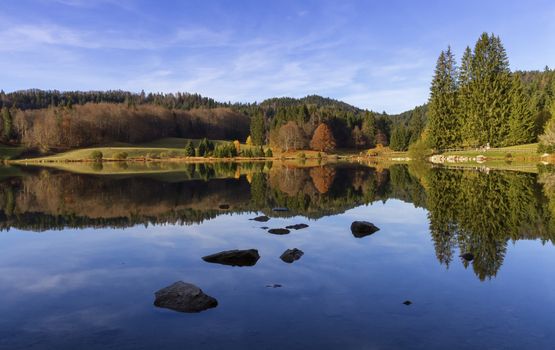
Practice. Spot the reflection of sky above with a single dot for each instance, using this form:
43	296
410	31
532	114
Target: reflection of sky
94	288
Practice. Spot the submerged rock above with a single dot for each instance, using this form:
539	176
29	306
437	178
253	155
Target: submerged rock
262	218
467	256
280	209
407	302
264	227
275	285
363	228
297	226
236	257
278	231
291	255
184	297
224	206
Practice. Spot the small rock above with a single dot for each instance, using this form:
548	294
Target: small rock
275	285
467	256
264	227
297	226
280	209
407	302
236	257
224	206
291	255
262	218
184	297
278	231
363	228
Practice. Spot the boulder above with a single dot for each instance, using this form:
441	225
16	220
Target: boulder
236	257
296	226
291	255
363	228
262	218
184	297
224	206
278	231
407	302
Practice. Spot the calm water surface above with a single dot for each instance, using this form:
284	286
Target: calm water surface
82	255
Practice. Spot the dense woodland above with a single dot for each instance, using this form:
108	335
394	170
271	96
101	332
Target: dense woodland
480	102
476	103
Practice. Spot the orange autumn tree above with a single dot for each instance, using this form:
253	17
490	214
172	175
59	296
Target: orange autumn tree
323	139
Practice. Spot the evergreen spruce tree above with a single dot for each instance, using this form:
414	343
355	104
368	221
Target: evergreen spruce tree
468	118
399	138
257	128
521	119
443	119
7	124
369	129
491	85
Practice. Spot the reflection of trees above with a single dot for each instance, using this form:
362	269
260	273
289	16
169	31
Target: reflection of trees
480	213
468	211
322	177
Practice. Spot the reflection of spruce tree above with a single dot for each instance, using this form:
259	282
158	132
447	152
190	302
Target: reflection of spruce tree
442	206
480	212
258	190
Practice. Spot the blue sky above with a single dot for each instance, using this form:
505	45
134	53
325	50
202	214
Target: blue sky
378	55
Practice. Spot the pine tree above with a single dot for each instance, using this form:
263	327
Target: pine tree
443	117
189	149
369	129
7	124
257	128
521	119
399	138
490	93
465	102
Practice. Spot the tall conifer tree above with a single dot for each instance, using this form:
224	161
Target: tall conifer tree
443	118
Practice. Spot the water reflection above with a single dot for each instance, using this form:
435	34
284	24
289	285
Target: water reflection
470	212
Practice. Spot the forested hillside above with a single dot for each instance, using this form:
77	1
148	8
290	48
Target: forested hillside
472	104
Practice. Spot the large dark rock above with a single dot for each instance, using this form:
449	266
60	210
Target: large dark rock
363	228
224	206
262	218
184	297
278	231
236	257
291	255
297	226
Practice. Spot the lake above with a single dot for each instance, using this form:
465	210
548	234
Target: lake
82	255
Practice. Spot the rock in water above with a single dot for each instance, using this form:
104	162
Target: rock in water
297	226
224	206
363	228
467	256
291	255
278	231
280	209
262	218
407	302
236	257
184	297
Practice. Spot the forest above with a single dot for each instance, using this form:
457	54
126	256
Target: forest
479	102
